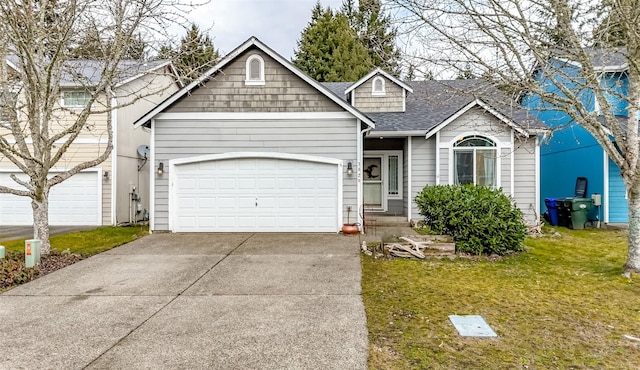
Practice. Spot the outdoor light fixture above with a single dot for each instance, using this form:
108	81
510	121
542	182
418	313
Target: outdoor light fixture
349	169
160	169
106	175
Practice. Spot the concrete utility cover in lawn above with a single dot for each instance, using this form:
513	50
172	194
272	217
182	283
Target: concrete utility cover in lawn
472	326
194	301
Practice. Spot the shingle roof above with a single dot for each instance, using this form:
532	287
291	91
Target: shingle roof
602	58
433	102
83	72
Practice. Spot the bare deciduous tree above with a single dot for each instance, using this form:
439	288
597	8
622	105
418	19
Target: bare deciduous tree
506	40
37	40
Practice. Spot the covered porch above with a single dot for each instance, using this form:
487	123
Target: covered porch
385	177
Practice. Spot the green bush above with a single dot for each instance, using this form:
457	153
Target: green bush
481	220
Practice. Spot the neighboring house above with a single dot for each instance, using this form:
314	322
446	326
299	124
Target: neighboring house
103	195
257	145
571	151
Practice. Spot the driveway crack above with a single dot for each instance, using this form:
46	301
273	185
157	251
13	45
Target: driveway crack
168	303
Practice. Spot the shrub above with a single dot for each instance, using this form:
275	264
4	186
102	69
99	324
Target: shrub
13	271
480	219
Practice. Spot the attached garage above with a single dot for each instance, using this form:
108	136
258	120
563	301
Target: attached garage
76	201
255	192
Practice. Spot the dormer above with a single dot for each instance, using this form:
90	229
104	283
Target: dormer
379	91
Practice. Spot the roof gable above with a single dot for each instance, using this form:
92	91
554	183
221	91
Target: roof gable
433	103
468	107
253	42
375	72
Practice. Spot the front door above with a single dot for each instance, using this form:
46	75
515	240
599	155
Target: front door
382	180
373	184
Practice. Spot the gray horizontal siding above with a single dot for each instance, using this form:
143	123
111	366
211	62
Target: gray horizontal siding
283	91
184	138
423	164
525	177
391	101
476	121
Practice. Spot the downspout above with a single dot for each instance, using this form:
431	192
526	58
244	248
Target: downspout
114	156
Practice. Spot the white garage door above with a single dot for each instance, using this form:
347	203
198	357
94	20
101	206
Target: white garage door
73	202
255	194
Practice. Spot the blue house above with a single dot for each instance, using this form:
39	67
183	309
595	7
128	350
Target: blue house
571	151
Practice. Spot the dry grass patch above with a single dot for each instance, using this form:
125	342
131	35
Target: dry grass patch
561	304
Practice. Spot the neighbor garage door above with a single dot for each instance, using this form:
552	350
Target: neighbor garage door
73	202
255	194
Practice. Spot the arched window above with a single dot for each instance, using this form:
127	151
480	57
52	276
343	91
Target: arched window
475	161
254	70
377	86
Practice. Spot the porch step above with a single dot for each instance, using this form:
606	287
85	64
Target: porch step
385	221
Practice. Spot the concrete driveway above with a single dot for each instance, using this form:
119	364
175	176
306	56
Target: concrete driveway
221	301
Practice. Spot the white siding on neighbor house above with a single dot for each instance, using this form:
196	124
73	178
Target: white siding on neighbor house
154	87
423	168
329	138
78	152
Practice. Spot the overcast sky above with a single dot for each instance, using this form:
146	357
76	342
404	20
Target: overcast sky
277	23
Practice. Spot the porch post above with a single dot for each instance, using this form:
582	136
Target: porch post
409	184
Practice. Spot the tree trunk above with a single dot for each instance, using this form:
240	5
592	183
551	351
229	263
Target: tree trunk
633	254
41	221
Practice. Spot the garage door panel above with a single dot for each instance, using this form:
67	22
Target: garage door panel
73	202
257	194
226	183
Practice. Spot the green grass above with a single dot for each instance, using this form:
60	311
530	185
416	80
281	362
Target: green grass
88	242
561	304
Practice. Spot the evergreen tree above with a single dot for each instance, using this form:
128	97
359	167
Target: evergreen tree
92	45
374	30
329	50
611	32
195	55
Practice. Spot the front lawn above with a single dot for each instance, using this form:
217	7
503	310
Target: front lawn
66	249
562	304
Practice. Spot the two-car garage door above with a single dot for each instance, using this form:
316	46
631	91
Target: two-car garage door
75	201
255	194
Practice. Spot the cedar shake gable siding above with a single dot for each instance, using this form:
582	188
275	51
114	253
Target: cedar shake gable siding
226	91
391	101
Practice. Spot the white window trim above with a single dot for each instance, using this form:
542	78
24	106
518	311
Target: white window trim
254	82
373	86
498	148
74	107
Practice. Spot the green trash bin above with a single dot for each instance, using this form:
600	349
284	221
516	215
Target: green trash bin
577	210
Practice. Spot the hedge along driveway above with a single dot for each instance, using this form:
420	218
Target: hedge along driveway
561	304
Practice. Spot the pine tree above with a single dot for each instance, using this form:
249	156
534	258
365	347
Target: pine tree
329	50
195	55
610	33
373	28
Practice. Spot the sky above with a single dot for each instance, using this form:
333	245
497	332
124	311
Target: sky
277	23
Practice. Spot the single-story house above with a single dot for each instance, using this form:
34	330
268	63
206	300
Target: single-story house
257	145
